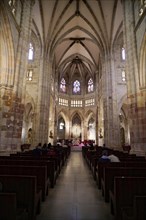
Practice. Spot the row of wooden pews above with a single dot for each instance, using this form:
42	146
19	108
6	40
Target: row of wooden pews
122	184
25	180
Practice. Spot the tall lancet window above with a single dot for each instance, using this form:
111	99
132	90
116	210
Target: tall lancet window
76	87
123	54
63	85
90	85
31	52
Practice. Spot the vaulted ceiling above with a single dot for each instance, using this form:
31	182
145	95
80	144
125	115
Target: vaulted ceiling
76	32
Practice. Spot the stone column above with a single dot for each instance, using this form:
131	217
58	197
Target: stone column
12	103
136	95
42	111
110	117
55	125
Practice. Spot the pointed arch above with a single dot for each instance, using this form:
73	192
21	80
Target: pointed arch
6	50
142	64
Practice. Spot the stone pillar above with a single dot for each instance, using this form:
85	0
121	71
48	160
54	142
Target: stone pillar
83	131
14	73
70	128
136	95
42	111
55	125
110	116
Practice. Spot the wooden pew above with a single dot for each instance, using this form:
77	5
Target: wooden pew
8	208
26	162
101	166
125	188
58	159
39	171
25	147
54	159
107	181
137	211
25	188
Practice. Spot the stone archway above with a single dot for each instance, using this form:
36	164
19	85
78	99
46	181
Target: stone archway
76	126
76	133
91	129
61	129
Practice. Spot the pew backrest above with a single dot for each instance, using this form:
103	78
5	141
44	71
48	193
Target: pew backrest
25	188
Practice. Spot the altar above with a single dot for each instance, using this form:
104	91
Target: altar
76	142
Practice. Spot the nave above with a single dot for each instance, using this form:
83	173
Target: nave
76	195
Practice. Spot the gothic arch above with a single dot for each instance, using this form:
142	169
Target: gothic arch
76	123
64	114
76	112
28	120
89	113
6	50
142	64
124	121
122	101
36	41
61	129
65	117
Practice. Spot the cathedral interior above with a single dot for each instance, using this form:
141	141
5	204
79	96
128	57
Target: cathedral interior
73	70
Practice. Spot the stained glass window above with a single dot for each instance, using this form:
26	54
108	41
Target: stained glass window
76	87
61	126
123	76
63	85
123	53
90	85
31	52
29	74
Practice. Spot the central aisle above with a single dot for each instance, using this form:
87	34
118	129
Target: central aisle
75	195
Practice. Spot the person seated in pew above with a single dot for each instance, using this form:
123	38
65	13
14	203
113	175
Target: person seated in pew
92	148
104	157
52	151
37	151
113	158
49	146
44	149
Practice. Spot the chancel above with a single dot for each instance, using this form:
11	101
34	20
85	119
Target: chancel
72	72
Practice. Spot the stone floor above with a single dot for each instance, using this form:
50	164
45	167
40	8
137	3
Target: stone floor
75	196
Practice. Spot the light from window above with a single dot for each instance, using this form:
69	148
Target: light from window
123	53
30	52
76	103
123	76
90	85
63	85
76	87
29	74
61	126
63	102
89	102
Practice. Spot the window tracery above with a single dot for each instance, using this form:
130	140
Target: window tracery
63	85
123	76
90	85
76	87
123	54
29	74
30	52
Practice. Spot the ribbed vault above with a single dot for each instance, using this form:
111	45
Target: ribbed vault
76	32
